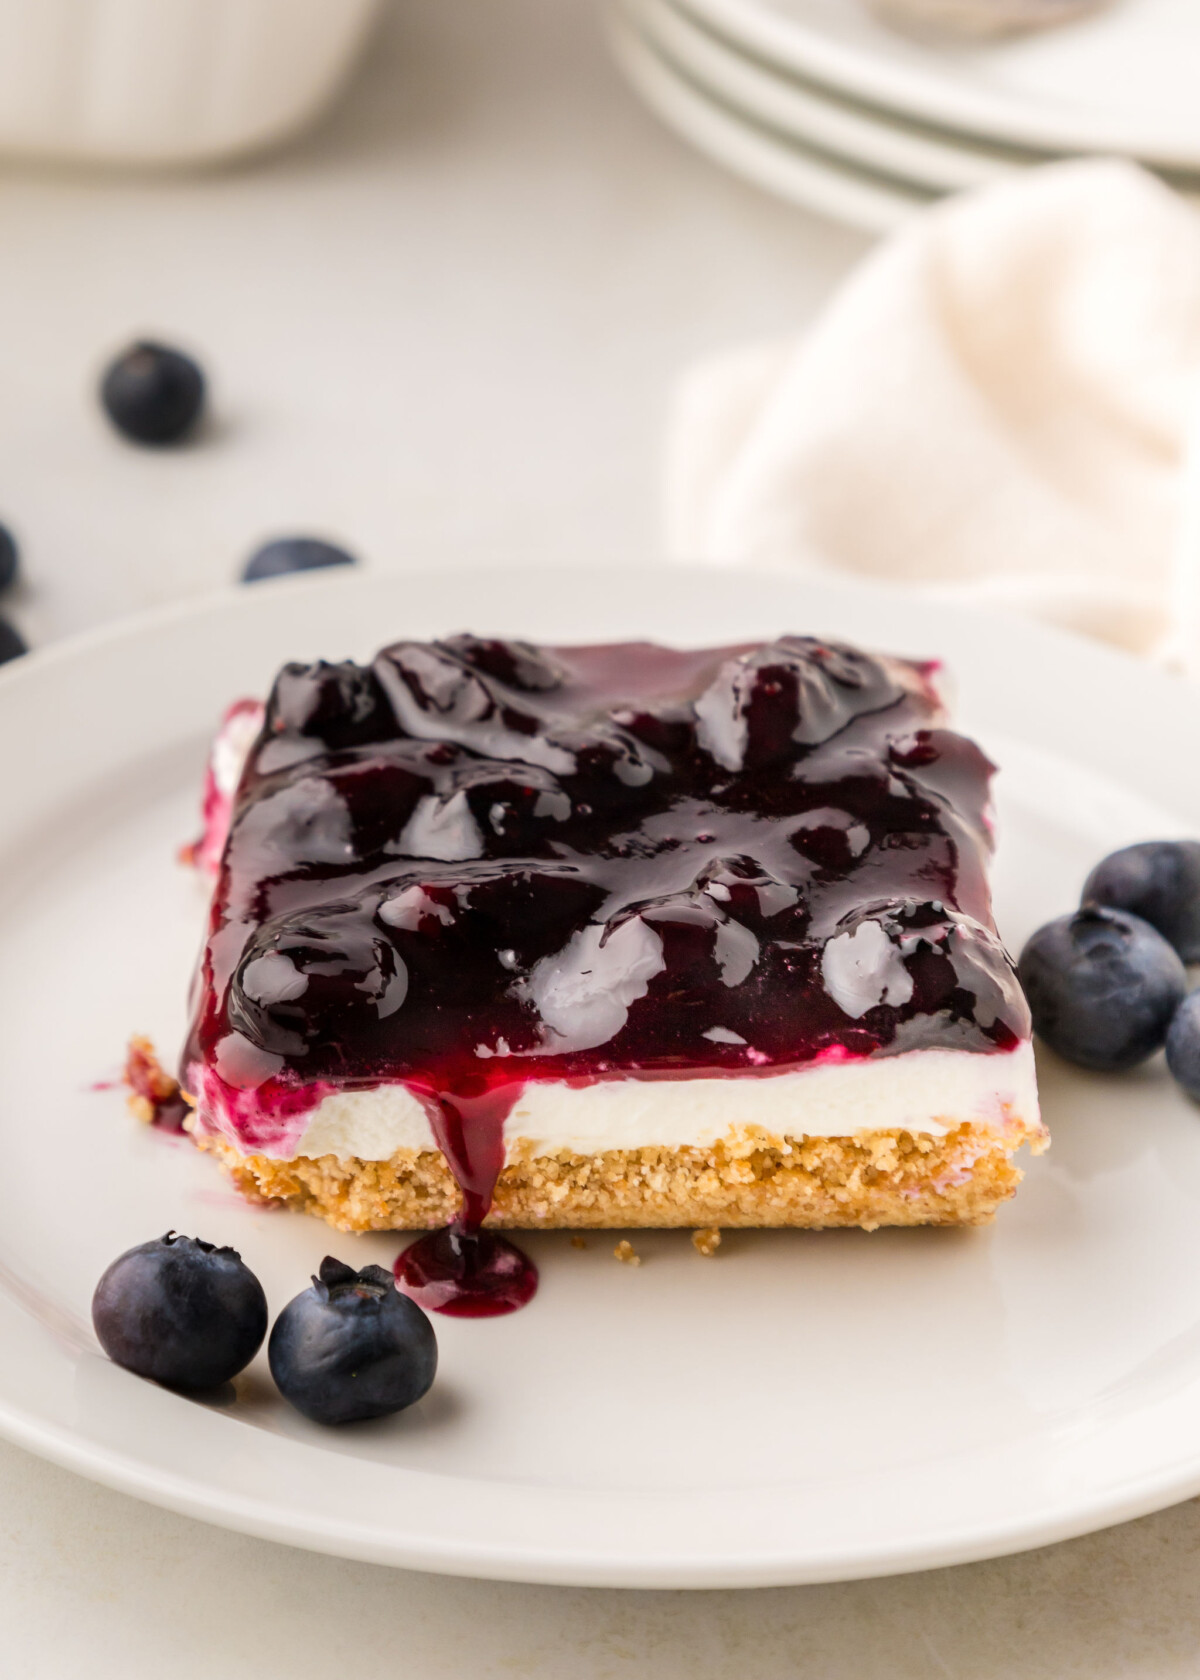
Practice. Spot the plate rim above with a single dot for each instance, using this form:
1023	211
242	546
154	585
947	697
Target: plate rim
194	1498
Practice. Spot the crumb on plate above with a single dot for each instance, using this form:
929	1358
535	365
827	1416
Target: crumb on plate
150	1085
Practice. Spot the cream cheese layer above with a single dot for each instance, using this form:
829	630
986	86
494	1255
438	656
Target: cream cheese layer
924	1092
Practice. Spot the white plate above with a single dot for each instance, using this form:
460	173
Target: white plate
813	179
809	113
1122	81
804	1406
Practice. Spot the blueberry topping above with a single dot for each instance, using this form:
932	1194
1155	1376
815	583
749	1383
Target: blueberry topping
293	554
181	1311
313	978
335	705
352	1347
153	394
12	643
9	559
1158	880
1183	1045
926	961
519	664
1102	987
798	692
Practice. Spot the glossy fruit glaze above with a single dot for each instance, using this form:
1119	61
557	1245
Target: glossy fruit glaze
475	863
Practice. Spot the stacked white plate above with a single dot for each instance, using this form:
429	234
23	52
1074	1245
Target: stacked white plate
818	101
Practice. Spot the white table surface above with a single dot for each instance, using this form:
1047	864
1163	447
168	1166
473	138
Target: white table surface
444	325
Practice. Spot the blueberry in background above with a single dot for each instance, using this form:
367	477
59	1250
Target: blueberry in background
1102	986
293	554
352	1347
153	394
1183	1045
12	643
182	1311
1158	880
9	559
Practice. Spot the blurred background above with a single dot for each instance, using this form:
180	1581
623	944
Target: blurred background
442	322
444	262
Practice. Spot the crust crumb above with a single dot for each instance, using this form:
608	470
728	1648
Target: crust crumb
577	1241
155	1098
626	1254
150	1084
707	1240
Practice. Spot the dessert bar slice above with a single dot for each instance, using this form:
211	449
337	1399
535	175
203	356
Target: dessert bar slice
608	936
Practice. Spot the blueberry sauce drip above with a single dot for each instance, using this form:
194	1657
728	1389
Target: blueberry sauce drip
477	863
466	1272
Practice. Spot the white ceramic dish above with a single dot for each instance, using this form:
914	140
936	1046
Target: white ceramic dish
809	114
812	179
1122	81
804	1406
169	81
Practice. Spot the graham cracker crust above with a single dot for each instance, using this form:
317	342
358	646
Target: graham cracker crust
877	1178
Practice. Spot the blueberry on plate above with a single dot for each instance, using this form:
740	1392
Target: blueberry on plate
293	554
12	643
1158	880
1183	1045
153	394
352	1347
1102	987
180	1310
8	559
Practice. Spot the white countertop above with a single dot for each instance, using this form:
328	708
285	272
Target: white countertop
445	325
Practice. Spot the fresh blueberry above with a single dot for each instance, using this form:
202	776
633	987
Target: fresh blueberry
1158	880
1102	987
1183	1045
182	1311
12	643
153	394
8	559
293	554
352	1347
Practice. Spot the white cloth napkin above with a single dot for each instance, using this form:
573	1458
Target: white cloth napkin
998	405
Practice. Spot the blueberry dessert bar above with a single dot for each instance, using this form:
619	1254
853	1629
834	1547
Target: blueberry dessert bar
607	936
